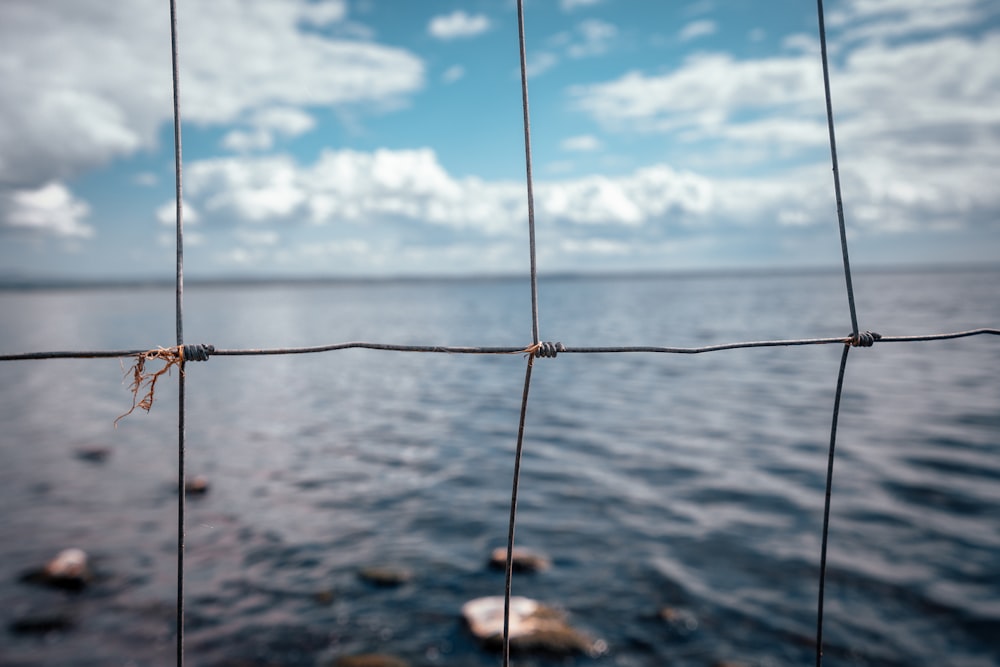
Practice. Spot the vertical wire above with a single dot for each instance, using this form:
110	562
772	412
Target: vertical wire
836	169
509	569
854	325
179	294
527	160
826	507
178	189
181	497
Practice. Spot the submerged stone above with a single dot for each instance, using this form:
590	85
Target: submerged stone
324	596
385	575
42	624
68	570
94	454
196	486
534	627
522	560
682	621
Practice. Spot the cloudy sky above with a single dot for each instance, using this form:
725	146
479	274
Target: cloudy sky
384	137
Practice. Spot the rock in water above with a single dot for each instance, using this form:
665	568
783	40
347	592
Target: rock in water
67	570
385	576
522	560
41	624
93	454
534	627
682	621
324	596
196	486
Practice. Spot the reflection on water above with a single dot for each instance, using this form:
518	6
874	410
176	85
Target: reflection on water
693	483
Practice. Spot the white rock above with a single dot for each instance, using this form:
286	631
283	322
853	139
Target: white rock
533	626
68	570
485	616
68	564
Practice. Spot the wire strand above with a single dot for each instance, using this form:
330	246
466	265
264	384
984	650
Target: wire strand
527	162
179	320
511	350
836	169
509	565
826	506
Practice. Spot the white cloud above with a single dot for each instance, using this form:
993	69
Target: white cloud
453	74
169	240
242	141
258	237
699	7
595	246
362	200
958	89
591	200
145	179
662	193
265	124
363	257
324	13
560	166
697	29
918	122
703	92
883	19
570	5
263	58
348	199
167	214
51	210
587	39
788	136
595	38
541	62
807	44
64	113
458	24
287	121
410	185
254	190
584	142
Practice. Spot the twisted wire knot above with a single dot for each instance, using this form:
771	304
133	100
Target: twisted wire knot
197	352
549	349
864	339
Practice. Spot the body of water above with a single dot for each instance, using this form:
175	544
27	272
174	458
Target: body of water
652	481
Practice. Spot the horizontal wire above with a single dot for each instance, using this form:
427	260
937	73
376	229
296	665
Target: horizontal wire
447	349
942	336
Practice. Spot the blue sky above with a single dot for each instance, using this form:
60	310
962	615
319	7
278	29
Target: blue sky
384	137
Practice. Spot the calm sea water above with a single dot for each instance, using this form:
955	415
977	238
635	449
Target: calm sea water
693	482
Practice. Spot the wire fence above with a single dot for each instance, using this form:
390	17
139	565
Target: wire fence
144	382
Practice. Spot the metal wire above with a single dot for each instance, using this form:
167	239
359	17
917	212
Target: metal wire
527	162
826	506
856	338
448	349
179	300
536	341
509	565
836	169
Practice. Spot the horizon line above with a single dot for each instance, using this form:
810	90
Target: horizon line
25	282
